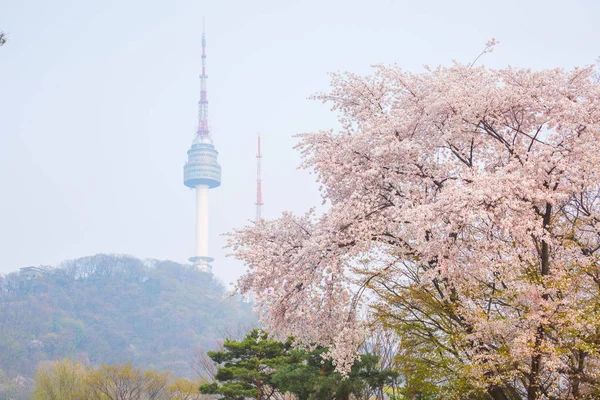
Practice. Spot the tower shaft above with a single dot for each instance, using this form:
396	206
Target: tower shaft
201	221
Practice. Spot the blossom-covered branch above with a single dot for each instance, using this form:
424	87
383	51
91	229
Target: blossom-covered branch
464	210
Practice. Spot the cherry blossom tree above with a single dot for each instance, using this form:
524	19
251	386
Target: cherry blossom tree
464	212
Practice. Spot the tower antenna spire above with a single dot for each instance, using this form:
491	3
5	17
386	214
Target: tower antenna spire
203	127
259	198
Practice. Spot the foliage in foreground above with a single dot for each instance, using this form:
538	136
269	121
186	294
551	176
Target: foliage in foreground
69	380
263	368
465	214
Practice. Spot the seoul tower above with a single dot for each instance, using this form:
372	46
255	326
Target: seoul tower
202	171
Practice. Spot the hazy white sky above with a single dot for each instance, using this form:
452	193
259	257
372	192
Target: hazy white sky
98	104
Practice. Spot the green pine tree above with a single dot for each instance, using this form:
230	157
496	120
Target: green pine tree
260	367
247	367
315	378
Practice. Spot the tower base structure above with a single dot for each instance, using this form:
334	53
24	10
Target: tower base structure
202	263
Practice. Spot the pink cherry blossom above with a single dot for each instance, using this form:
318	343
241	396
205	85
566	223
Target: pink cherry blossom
477	188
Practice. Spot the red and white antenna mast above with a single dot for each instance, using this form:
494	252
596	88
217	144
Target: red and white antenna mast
203	128
259	199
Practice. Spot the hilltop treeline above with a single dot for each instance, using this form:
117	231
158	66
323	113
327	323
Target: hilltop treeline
110	309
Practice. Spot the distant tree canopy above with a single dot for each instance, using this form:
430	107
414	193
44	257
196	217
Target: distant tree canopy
263	368
109	309
70	380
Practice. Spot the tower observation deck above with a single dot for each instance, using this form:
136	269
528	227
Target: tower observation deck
202	171
202	167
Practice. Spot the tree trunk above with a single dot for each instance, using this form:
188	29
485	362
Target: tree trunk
259	396
536	361
497	393
576	376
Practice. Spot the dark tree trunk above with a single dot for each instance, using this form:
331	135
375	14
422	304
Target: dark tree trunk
497	393
533	389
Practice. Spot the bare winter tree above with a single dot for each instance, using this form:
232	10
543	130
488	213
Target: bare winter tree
202	364
384	343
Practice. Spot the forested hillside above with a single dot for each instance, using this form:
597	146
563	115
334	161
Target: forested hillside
111	309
